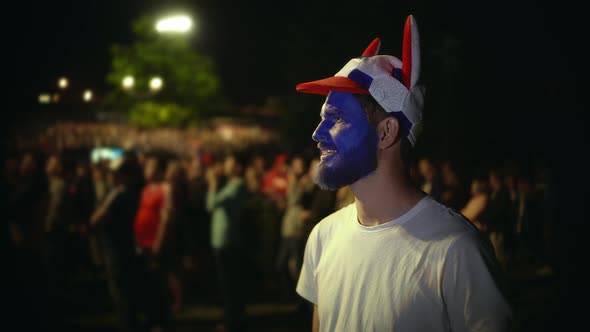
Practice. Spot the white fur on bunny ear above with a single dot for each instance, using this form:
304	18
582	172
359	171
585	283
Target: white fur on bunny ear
411	53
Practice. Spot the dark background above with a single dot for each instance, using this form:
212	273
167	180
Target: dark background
500	74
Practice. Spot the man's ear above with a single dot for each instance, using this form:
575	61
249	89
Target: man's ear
388	130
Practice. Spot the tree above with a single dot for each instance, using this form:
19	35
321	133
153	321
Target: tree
191	86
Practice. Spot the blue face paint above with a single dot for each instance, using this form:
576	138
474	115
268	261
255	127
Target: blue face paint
347	142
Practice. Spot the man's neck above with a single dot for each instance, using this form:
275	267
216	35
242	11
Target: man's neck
384	196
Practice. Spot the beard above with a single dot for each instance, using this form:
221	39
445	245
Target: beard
347	167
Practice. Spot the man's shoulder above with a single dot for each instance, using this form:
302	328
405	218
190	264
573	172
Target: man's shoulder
442	221
344	212
335	219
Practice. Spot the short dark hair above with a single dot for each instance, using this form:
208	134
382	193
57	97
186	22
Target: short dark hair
375	114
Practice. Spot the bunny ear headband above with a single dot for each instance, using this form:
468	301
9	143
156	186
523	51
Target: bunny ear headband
391	82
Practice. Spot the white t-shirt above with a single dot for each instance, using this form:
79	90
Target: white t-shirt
428	270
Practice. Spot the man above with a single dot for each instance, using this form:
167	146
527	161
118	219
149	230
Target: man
395	260
291	240
432	178
112	222
225	203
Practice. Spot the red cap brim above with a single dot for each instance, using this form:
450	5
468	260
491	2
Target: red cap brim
334	83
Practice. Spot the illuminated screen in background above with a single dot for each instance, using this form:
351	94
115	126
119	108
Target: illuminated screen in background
98	154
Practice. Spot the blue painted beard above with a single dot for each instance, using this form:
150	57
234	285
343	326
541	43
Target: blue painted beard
346	167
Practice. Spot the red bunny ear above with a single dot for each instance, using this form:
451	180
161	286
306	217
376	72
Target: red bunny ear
410	53
407	53
373	48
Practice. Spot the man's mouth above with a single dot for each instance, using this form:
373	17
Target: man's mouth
326	153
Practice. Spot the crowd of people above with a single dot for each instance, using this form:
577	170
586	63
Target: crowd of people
152	223
72	135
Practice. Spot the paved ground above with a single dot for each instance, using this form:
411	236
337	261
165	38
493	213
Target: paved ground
533	296
536	302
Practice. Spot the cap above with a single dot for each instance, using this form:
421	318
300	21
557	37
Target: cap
392	82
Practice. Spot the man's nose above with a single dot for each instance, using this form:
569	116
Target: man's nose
319	134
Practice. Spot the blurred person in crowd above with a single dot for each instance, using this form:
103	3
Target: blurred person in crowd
225	203
432	181
101	188
257	167
322	202
414	172
153	241
291	240
180	232
99	183
529	225
344	197
396	259
274	188
198	256
511	175
260	216
27	203
10	173
30	304
55	236
112	222
82	199
254	173
454	194
476	202
497	216
274	182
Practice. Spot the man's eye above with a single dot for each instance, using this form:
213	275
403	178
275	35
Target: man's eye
338	119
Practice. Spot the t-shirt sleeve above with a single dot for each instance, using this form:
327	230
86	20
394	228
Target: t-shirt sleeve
472	287
110	205
307	285
231	191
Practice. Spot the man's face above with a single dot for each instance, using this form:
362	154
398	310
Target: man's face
347	142
150	169
298	166
229	166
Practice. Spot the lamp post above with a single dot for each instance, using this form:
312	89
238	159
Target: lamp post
87	96
63	83
156	84
128	82
175	24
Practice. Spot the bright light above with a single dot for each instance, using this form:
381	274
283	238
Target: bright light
87	96
44	98
63	83
180	24
156	83
128	82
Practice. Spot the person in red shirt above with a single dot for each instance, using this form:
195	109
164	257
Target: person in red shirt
151	229
275	181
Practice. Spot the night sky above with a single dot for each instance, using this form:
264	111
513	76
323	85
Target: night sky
497	71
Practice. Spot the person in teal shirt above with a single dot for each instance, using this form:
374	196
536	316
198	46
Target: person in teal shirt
225	203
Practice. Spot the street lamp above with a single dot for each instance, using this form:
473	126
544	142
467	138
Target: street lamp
87	96
128	82
174	24
156	83
44	98
63	83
